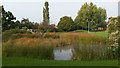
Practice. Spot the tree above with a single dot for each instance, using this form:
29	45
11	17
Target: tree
18	24
7	20
81	19
35	26
26	23
43	27
46	13
52	28
101	17
90	17
66	24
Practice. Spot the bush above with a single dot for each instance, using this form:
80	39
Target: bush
44	27
119	49
114	34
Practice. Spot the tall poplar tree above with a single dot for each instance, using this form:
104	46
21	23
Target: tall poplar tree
46	13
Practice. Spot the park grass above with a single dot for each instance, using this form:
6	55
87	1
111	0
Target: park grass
22	61
101	33
98	33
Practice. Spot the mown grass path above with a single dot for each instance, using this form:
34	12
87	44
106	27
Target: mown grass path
22	61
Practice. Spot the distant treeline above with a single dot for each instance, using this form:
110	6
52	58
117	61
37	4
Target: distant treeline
89	17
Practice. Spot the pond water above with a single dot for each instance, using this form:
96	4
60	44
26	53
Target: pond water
63	53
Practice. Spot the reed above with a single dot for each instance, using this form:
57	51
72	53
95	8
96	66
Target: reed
92	52
41	46
27	47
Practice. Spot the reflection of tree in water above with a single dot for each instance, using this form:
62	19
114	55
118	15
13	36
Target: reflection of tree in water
60	50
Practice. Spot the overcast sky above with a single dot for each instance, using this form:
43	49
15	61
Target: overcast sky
33	9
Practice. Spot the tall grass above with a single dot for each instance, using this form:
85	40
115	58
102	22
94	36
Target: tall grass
41	46
13	34
87	46
28	47
83	38
92	52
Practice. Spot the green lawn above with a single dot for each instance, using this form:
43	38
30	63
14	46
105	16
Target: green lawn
98	33
15	61
101	33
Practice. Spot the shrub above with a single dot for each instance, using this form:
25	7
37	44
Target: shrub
45	27
114	34
119	48
24	28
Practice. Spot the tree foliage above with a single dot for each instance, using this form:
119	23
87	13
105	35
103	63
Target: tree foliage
44	27
7	20
46	12
66	24
90	15
27	23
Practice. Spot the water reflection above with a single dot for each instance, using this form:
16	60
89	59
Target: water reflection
63	53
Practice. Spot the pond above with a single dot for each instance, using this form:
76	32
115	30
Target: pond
63	53
80	52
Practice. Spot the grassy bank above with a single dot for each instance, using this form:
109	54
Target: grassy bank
101	33
21	61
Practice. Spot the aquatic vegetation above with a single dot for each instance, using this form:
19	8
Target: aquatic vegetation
27	47
37	45
91	52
